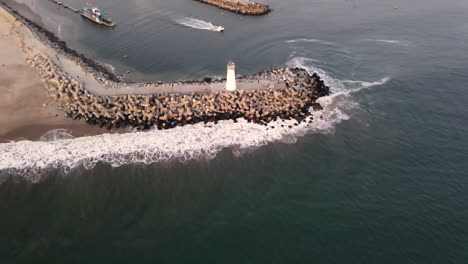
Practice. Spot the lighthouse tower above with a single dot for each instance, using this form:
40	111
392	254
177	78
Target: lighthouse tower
231	76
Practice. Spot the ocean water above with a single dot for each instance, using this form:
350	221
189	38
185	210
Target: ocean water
378	176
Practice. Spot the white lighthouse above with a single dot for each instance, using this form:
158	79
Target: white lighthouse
231	76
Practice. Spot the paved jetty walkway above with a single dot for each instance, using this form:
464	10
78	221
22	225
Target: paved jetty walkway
95	87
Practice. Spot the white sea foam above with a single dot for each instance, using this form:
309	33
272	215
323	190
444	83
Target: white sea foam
109	67
57	149
337	87
197	23
359	85
183	143
217	77
390	41
311	40
56	134
338	49
112	69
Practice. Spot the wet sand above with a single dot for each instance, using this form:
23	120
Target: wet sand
26	111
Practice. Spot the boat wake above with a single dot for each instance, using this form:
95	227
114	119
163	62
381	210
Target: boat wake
58	150
198	24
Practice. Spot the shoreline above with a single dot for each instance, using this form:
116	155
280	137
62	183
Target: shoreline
26	111
97	96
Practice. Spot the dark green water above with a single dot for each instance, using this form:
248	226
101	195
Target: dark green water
383	181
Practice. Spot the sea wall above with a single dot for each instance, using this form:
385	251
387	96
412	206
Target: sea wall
244	7
263	97
170	110
60	3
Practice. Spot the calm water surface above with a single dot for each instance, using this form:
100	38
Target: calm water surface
387	184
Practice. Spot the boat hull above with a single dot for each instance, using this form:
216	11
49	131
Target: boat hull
95	19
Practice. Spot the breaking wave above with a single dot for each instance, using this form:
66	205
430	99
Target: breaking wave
196	23
59	150
337	87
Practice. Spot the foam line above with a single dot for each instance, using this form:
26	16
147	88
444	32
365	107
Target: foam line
389	41
311	40
29	158
57	149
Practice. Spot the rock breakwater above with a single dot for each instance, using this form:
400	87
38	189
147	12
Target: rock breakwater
244	7
170	110
285	93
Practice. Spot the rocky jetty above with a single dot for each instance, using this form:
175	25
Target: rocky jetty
60	3
274	93
244	7
171	110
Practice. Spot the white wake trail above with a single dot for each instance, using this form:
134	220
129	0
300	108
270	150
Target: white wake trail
197	24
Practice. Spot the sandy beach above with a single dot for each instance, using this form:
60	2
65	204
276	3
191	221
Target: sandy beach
26	111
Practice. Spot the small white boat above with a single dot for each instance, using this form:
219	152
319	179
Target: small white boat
220	29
